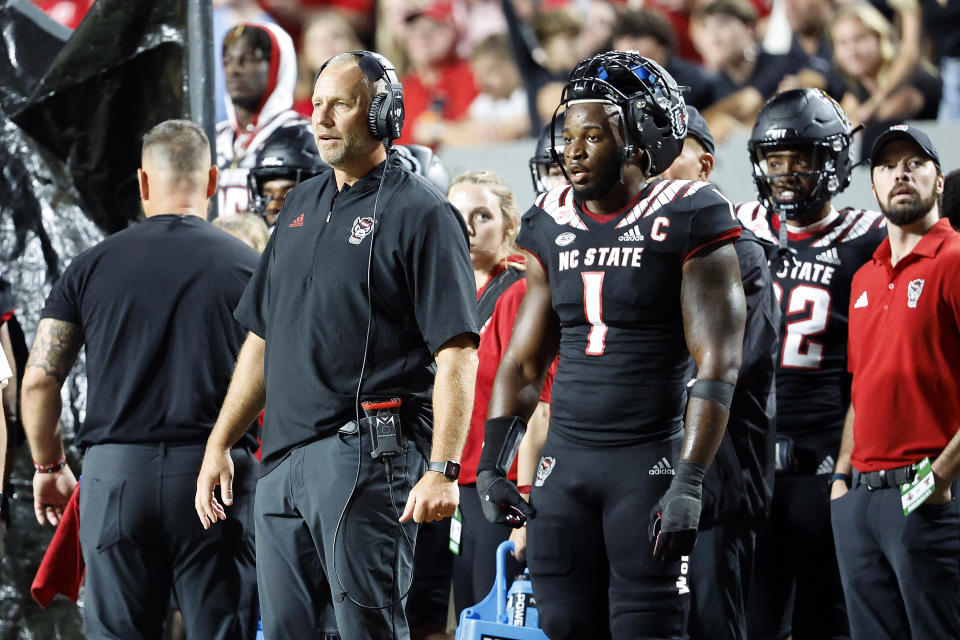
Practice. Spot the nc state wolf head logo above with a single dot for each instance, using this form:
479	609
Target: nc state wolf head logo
362	227
914	289
544	469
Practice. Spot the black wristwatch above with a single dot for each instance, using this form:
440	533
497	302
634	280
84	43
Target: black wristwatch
449	468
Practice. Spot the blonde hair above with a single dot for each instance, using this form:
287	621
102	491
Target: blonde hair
873	20
505	198
246	227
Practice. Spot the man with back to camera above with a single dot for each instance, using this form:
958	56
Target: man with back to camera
800	150
152	304
900	555
260	67
738	487
627	276
336	323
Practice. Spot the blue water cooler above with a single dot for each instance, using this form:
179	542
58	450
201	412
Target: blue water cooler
503	614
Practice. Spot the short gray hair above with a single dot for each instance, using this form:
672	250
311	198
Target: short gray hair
180	146
371	88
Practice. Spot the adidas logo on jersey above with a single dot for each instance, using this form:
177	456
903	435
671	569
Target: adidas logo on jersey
830	256
297	223
662	468
861	301
633	235
826	466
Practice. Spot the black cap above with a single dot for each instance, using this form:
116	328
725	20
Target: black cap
697	128
904	132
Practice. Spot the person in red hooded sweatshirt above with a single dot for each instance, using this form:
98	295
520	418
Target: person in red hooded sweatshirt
260	66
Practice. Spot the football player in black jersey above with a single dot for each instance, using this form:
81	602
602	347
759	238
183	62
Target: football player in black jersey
738	488
800	150
625	277
285	161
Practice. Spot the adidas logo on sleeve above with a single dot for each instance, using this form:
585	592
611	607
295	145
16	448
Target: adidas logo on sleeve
662	468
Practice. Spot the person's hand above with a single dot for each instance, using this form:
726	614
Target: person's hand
838	489
519	538
433	498
51	493
941	491
216	469
674	519
501	501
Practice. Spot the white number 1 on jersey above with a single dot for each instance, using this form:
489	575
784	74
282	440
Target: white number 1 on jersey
593	311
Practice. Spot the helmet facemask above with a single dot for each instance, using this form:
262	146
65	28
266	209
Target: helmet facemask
813	188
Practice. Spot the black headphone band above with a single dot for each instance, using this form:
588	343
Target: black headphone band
389	73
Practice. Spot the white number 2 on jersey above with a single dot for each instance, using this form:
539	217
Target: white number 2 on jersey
799	350
593	311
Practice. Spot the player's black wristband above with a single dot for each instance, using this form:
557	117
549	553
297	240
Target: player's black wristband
712	390
501	437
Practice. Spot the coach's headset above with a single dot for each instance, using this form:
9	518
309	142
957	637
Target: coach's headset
385	122
385	118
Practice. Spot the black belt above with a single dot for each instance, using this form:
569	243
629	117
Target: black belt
886	478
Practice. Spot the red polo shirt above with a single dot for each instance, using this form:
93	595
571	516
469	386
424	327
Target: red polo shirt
904	352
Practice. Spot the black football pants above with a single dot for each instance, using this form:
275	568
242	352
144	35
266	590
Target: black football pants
590	557
141	537
796	585
721	569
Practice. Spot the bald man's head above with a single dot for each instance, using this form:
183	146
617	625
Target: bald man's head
175	166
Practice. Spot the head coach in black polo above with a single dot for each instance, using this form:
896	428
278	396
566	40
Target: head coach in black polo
152	304
365	290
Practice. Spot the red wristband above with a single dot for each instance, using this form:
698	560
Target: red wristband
51	468
524	489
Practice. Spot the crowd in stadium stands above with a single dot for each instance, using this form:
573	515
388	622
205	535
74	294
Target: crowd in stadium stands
476	72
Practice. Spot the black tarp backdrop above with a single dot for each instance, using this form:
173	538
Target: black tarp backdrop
73	109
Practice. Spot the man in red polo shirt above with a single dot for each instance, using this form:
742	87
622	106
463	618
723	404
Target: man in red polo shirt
895	520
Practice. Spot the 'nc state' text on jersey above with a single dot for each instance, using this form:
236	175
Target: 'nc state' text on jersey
600	257
802	270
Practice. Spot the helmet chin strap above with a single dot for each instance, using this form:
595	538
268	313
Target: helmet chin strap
786	253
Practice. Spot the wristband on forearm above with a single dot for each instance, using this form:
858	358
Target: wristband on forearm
52	467
713	390
501	439
689	473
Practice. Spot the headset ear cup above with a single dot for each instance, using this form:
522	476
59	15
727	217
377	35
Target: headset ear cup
376	122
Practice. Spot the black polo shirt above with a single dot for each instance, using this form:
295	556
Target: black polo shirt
308	300
155	305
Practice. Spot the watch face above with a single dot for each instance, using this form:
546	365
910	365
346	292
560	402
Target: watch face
452	471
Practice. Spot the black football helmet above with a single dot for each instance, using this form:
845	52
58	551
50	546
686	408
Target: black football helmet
543	158
290	153
652	111
810	119
424	162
